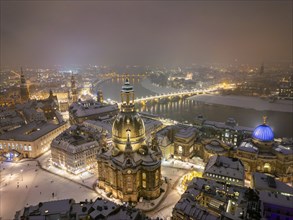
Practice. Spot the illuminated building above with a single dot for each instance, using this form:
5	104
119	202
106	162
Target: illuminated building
177	141
285	89
207	148
30	128
91	110
9	120
265	182
217	199
75	149
229	132
130	169
9	99
276	205
184	140
89	210
24	93
49	105
262	154
30	140
186	208
165	141
225	169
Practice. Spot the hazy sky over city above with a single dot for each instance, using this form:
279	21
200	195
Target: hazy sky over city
148	32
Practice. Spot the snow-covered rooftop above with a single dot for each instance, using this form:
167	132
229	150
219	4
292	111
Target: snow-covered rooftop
87	108
262	181
225	166
274	198
31	131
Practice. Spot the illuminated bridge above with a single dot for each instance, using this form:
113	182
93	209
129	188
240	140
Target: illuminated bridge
170	96
122	75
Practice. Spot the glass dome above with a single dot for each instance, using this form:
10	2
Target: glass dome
263	133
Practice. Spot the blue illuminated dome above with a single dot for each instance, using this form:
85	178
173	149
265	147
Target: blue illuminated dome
263	133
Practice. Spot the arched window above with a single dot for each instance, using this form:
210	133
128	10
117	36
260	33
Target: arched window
267	168
180	149
129	182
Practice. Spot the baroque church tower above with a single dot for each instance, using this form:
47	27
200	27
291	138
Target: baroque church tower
24	93
73	90
129	169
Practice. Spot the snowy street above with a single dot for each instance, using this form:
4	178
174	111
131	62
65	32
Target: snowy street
30	184
25	183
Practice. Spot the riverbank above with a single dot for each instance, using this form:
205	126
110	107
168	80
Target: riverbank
246	102
147	84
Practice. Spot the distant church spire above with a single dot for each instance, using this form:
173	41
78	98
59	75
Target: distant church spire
262	69
73	89
100	97
24	93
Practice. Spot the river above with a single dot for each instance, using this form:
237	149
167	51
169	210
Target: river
187	110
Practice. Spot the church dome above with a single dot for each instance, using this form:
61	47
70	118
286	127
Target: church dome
128	122
263	133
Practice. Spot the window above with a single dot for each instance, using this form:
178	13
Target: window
190	149
180	149
143	180
157	177
129	183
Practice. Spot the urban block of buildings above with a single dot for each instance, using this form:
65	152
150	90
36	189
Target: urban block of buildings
259	152
217	199
225	169
29	128
84	210
75	149
81	111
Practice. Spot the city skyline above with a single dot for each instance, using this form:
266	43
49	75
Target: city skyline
147	32
147	109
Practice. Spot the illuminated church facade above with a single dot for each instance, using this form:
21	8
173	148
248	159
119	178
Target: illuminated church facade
130	169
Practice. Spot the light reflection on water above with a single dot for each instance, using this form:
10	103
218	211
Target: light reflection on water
187	110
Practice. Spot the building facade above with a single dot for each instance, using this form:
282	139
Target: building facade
30	140
262	153
225	169
206	148
75	149
184	140
130	169
217	199
84	210
229	132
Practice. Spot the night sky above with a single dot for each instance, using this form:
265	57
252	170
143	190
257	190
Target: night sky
149	32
